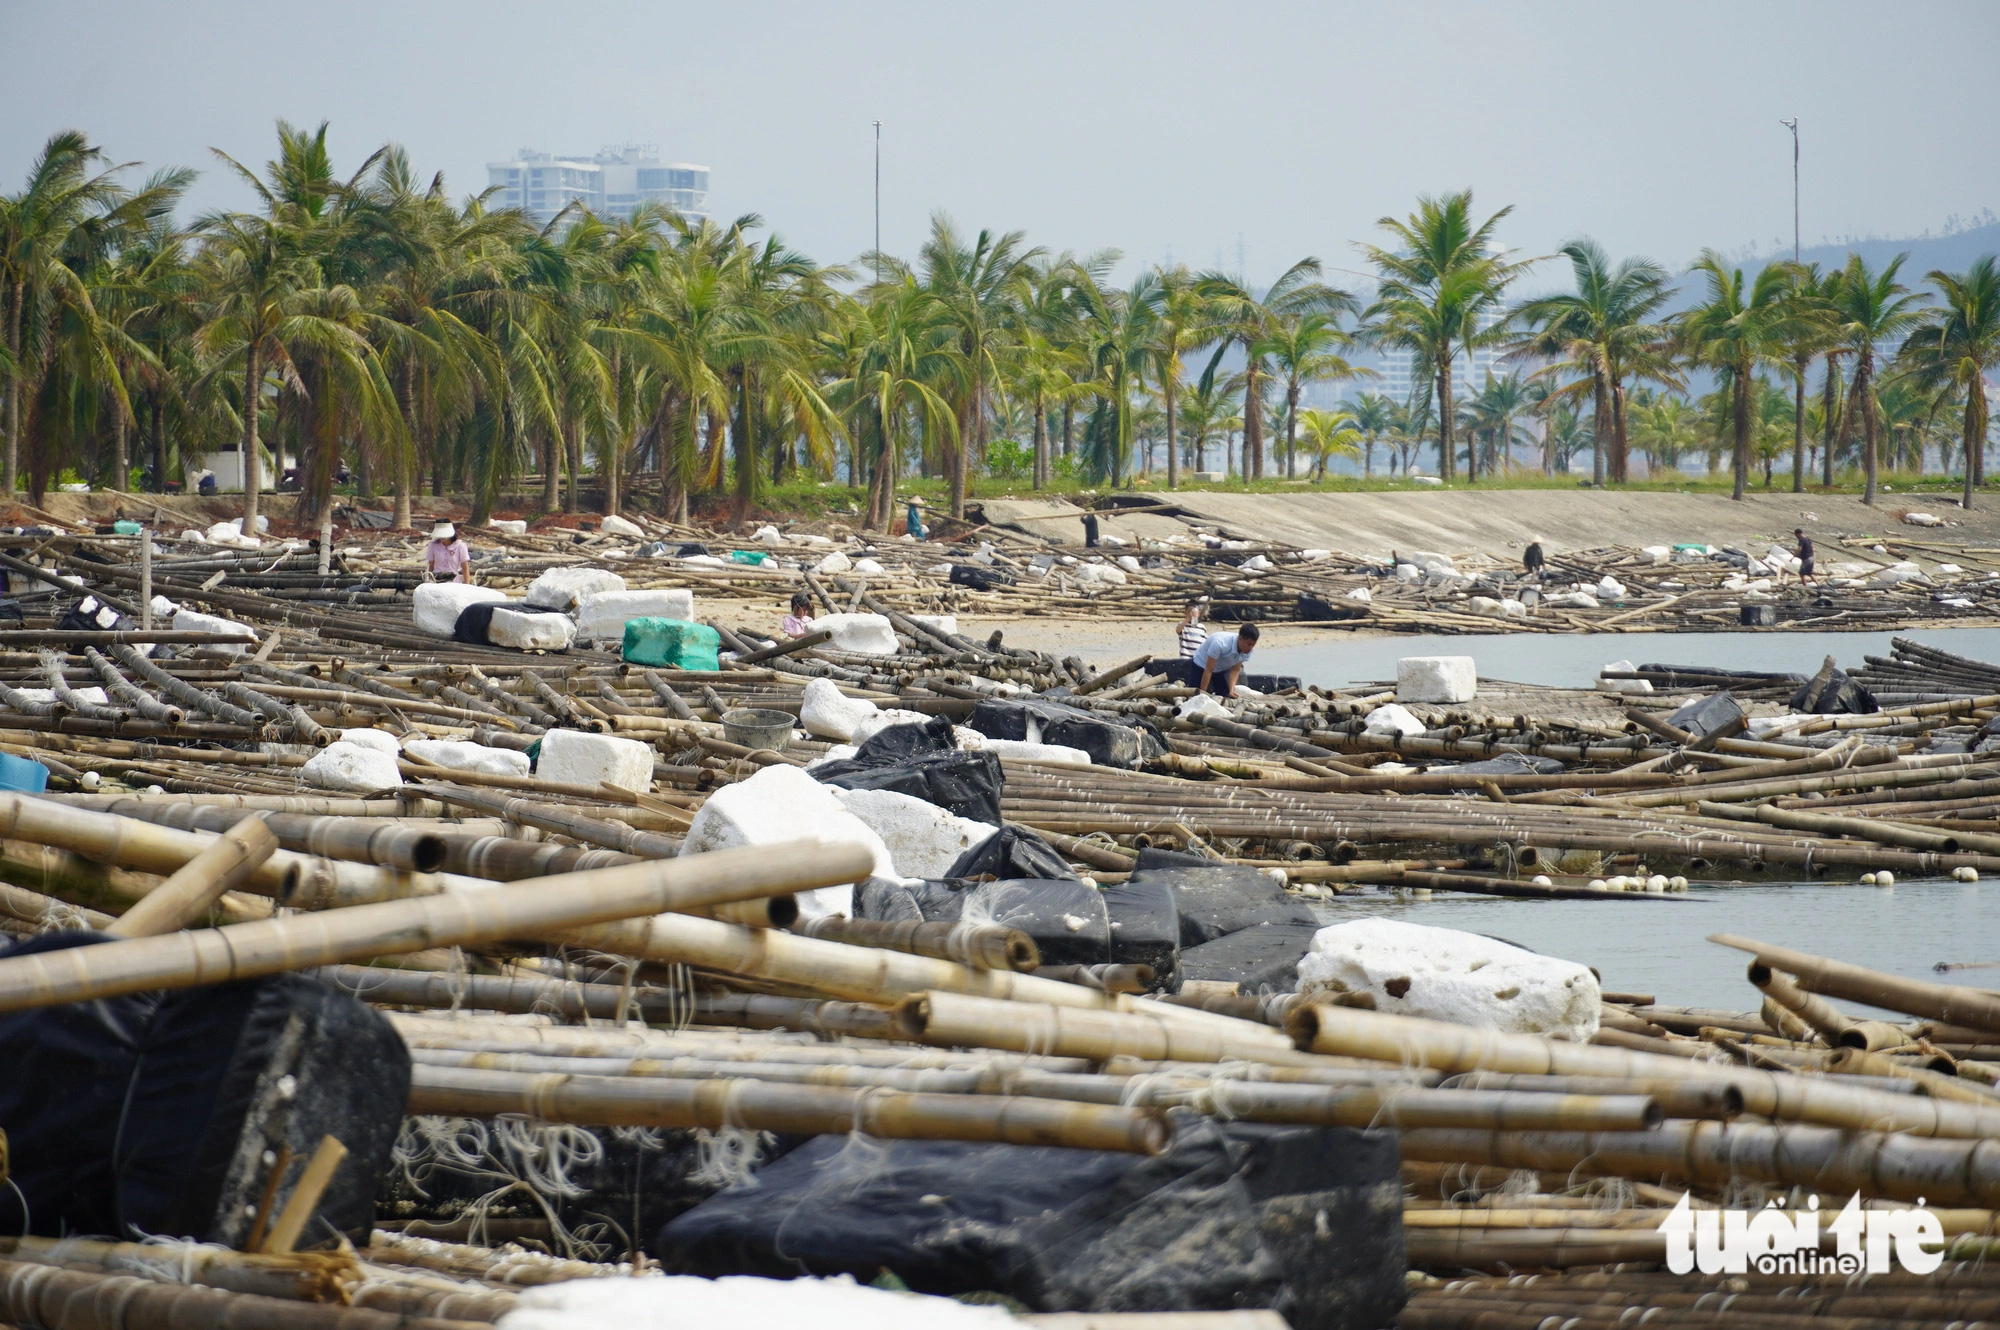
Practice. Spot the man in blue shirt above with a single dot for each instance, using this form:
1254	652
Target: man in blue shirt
1220	659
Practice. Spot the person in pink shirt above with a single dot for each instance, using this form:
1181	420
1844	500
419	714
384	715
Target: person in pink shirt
799	622
448	558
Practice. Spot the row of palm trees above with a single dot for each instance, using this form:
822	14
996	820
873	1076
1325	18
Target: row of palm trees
368	324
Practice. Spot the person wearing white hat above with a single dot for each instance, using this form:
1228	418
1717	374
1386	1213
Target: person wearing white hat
448	558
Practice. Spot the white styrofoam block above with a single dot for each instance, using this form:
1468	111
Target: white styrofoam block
1513	609
193	621
939	623
573	757
352	768
615	525
1484	606
461	756
1609	589
1436	679
835	562
1256	563
1575	600
511	526
783	803
437	605
870	726
231	533
679	1301
1445	975
1057	754
1657	553
1362	594
1091	575
1392	719
867	567
768	535
1129	563
549	631
865	634
368	737
1923	519
1429	558
923	839
562	588
828	713
602	615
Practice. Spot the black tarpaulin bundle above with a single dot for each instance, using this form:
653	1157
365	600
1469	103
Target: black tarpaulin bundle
922	761
1306	1221
154	1113
1110	740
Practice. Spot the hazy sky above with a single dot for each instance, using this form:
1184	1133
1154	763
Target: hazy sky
1163	129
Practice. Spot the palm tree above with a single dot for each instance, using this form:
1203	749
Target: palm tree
1187	320
1207	411
1809	338
1441	290
1252	319
1119	327
1490	418
1303	349
1734	331
1372	413
1603	333
1664	428
1955	347
58	224
1867	309
980	288
1329	434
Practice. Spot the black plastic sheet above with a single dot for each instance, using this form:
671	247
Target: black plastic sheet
1306	1221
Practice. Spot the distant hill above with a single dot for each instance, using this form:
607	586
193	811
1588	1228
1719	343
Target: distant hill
1953	250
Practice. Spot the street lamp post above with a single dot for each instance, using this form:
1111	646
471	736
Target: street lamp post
1793	125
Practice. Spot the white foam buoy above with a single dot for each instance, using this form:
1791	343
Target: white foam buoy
1543	880
1677	884
1421	893
1966	873
1885	879
1657	882
1598	884
1868	879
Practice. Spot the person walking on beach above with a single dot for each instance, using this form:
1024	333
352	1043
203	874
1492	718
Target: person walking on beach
1805	553
1193	634
799	622
448	558
1220	659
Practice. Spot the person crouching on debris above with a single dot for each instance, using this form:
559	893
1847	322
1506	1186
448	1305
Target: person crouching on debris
800	621
1220	659
914	524
448	558
1533	561
1805	553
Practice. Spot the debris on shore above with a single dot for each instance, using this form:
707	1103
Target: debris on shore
652	945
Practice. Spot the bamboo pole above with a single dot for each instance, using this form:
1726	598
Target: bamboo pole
581	904
229	859
41	1295
981	946
1825	1159
305	1197
761	1106
1410	1041
1816	974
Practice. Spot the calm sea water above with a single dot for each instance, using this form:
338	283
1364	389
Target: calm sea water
1658	947
1572	661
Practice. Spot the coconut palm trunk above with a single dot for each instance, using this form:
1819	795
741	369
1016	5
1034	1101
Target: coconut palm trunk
1830	422
1041	465
1862	394
121	462
1291	426
406	462
1173	439
159	423
1974	438
13	457
552	466
1739	410
1799	431
1621	453
1447	440
1600	428
253	372
1253	425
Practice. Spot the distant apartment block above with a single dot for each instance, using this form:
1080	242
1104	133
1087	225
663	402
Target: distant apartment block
611	182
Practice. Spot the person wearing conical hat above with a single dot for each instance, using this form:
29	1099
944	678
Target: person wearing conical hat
448	558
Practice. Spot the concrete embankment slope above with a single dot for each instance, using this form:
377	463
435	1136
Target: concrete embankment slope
1500	522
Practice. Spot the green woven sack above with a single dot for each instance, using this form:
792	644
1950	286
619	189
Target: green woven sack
673	643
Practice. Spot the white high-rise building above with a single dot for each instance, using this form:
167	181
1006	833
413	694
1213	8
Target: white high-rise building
613	182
